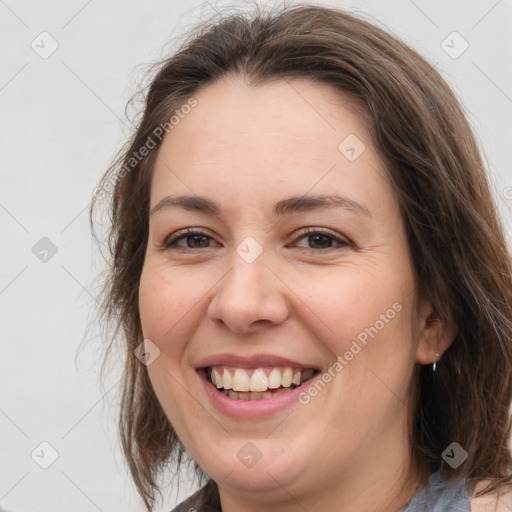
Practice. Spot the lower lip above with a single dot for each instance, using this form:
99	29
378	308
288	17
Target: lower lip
251	409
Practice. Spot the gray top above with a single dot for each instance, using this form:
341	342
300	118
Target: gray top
439	495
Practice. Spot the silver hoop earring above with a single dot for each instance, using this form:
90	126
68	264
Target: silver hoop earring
434	364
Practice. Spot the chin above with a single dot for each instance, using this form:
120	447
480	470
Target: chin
262	466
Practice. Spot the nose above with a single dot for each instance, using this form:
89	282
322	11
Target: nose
249	298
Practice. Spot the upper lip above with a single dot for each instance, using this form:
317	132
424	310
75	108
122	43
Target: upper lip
251	362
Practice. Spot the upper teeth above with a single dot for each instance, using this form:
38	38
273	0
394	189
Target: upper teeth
240	379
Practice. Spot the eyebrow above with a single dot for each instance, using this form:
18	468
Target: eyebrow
284	207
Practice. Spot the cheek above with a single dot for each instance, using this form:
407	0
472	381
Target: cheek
364	323
362	316
167	303
343	302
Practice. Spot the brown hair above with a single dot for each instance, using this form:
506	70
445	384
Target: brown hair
456	241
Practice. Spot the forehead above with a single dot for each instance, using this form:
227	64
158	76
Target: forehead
278	115
295	135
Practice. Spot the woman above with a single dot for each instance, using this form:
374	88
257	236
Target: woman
310	275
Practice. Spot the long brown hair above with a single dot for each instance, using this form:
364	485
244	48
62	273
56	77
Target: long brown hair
456	241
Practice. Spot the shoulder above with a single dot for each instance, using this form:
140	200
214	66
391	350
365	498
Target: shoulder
491	502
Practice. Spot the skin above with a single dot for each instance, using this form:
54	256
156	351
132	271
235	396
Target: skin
246	148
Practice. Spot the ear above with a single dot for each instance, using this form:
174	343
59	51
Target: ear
434	335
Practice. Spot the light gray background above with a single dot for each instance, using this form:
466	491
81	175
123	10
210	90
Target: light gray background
62	121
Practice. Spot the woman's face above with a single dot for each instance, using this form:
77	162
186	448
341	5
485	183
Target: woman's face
276	277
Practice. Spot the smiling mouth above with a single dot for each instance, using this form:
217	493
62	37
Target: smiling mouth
258	383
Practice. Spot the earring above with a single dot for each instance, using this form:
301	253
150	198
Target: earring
435	363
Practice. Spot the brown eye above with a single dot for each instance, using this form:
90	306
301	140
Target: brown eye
193	240
321	240
196	241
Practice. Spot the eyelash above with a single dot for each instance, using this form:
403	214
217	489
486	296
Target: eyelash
170	242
